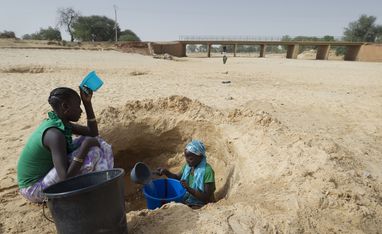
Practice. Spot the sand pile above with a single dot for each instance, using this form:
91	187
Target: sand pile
265	173
26	69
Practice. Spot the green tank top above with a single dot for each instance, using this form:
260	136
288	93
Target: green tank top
36	160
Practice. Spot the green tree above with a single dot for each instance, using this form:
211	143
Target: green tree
305	38
191	48
286	38
27	37
66	18
202	48
364	29
94	28
328	38
246	48
128	35
50	33
7	34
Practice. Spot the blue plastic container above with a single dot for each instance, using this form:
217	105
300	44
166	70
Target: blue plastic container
92	81
162	191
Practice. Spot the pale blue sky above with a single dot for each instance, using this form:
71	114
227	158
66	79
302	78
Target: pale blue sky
160	20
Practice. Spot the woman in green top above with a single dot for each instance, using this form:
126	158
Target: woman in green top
50	155
196	176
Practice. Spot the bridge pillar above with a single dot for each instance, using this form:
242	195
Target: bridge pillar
323	52
262	50
292	51
234	50
183	50
352	52
208	50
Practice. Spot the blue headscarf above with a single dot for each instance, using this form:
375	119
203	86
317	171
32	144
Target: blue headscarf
196	147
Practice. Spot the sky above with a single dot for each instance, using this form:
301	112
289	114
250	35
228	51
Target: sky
166	20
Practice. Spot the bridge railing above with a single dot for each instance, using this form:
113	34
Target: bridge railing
236	38
226	38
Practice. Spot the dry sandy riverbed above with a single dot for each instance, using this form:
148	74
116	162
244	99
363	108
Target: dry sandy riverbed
295	144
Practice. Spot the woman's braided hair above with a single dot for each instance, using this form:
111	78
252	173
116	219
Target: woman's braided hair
59	95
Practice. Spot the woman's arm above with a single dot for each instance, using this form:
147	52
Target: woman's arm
55	141
202	196
92	128
163	171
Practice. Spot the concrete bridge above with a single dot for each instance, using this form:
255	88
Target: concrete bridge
355	51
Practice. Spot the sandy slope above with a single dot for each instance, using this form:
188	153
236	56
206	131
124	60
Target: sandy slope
295	144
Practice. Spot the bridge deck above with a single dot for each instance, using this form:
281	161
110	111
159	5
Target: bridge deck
242	42
363	51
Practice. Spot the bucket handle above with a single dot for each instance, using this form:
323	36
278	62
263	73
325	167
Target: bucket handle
43	210
165	188
163	201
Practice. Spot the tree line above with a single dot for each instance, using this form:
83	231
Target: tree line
80	28
101	28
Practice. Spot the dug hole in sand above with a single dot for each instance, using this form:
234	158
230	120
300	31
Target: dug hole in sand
268	179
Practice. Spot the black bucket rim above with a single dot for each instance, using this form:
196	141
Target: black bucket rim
121	172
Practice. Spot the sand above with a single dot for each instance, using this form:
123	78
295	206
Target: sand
295	144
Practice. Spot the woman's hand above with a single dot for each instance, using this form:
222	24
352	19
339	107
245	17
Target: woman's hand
185	185
86	96
161	171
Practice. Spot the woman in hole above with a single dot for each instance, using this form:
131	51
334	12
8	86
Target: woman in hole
196	176
50	155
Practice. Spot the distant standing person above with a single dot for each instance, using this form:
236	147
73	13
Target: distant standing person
224	54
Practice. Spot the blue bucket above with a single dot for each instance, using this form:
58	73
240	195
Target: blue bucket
92	81
162	191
